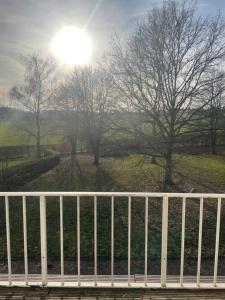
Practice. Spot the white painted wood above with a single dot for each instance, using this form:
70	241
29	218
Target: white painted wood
129	280
43	237
95	239
146	241
164	240
129	239
112	238
120	281
116	194
217	241
25	239
61	240
200	241
8	240
78	239
182	241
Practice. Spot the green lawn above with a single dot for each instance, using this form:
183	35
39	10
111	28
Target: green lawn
12	133
203	173
113	174
130	173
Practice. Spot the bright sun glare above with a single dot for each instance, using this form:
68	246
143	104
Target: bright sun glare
72	46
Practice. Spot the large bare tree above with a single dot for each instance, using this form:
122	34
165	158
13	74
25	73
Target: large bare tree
35	92
162	69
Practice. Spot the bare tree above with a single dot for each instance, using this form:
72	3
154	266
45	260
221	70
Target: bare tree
213	113
35	93
162	69
94	89
68	99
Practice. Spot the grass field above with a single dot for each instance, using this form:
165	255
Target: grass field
12	134
196	173
201	173
130	173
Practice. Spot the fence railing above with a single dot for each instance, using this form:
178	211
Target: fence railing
112	280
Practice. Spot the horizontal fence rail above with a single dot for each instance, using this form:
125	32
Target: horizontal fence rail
112	279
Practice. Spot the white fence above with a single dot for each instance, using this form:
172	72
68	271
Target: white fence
112	280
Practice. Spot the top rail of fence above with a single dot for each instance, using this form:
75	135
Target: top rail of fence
116	194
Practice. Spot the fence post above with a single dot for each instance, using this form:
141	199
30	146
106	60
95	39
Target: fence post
200	241
164	241
8	239
129	238
43	238
217	241
25	239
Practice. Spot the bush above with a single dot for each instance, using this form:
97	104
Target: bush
20	175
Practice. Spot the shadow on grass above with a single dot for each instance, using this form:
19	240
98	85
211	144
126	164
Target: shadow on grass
104	182
75	174
95	179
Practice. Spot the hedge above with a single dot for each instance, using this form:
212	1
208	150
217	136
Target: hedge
19	175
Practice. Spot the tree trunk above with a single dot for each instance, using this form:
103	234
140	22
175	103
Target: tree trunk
38	145
213	146
213	140
213	133
153	160
96	144
168	169
96	157
38	136
76	124
74	143
168	179
73	148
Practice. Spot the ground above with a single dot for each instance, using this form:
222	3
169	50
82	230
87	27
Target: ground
203	173
198	173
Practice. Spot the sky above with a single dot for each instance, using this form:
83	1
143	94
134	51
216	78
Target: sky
28	26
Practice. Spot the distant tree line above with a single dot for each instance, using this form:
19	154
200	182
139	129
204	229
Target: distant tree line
167	78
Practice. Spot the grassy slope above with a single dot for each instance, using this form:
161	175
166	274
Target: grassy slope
12	135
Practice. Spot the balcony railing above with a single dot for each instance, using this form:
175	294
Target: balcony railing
112	280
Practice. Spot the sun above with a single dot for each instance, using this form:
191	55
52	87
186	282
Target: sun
72	46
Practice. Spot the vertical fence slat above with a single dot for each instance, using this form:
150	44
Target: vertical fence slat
43	237
164	241
200	241
146	241
129	238
95	239
25	239
78	239
61	240
112	238
182	241
8	239
217	241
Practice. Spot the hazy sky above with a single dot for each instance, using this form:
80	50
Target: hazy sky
29	25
